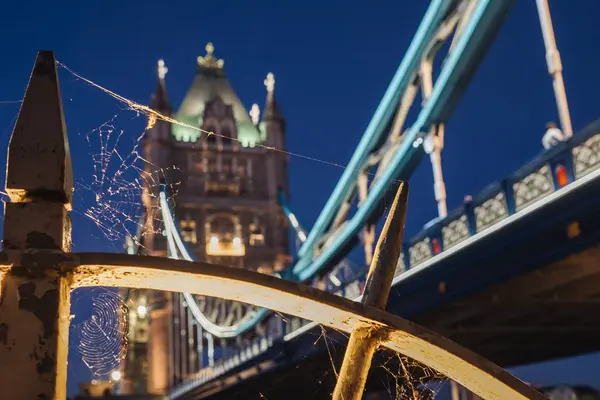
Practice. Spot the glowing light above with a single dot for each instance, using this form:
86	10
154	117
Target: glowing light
162	69
562	177
270	82
437	248
237	241
214	241
335	280
293	220
255	114
142	311
302	236
209	59
115	375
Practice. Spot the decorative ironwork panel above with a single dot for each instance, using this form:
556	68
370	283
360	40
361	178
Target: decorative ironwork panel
586	156
400	266
533	187
491	211
455	232
420	252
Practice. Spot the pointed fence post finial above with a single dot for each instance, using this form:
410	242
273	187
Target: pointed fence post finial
35	292
255	114
162	69
270	82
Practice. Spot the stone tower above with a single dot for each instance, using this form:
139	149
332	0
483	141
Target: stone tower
225	206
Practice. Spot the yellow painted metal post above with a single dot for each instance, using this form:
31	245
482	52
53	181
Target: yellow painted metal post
34	307
365	339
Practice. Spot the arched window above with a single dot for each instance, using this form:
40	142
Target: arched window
257	236
188	230
224	236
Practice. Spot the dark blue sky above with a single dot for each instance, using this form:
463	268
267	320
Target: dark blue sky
332	62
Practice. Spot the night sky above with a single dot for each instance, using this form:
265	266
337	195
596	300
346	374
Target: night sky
332	61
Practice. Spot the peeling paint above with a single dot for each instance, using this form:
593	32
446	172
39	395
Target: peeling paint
45	365
47	195
40	240
43	308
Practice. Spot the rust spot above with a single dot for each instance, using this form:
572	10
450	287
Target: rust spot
45	308
45	365
4	333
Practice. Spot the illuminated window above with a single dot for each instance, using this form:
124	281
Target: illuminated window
188	230
257	237
224	236
221	188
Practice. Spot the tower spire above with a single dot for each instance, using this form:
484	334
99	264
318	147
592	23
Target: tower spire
271	109
160	100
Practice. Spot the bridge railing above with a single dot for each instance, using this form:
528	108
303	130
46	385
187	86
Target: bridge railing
553	170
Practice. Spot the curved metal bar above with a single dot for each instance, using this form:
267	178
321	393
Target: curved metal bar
175	245
459	364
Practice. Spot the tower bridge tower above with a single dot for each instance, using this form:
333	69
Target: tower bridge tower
225	205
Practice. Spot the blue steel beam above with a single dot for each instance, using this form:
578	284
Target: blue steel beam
484	22
291	217
376	128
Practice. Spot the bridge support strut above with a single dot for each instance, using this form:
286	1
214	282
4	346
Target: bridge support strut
555	67
366	338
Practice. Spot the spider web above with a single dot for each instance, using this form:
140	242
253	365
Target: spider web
101	339
120	179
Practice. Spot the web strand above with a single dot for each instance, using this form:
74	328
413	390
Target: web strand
154	115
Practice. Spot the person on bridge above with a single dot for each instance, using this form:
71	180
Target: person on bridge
552	136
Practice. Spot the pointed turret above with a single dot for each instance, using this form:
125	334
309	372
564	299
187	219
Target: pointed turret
272	112
273	123
160	100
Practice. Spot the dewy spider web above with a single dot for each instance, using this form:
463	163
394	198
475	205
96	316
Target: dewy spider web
118	182
101	339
